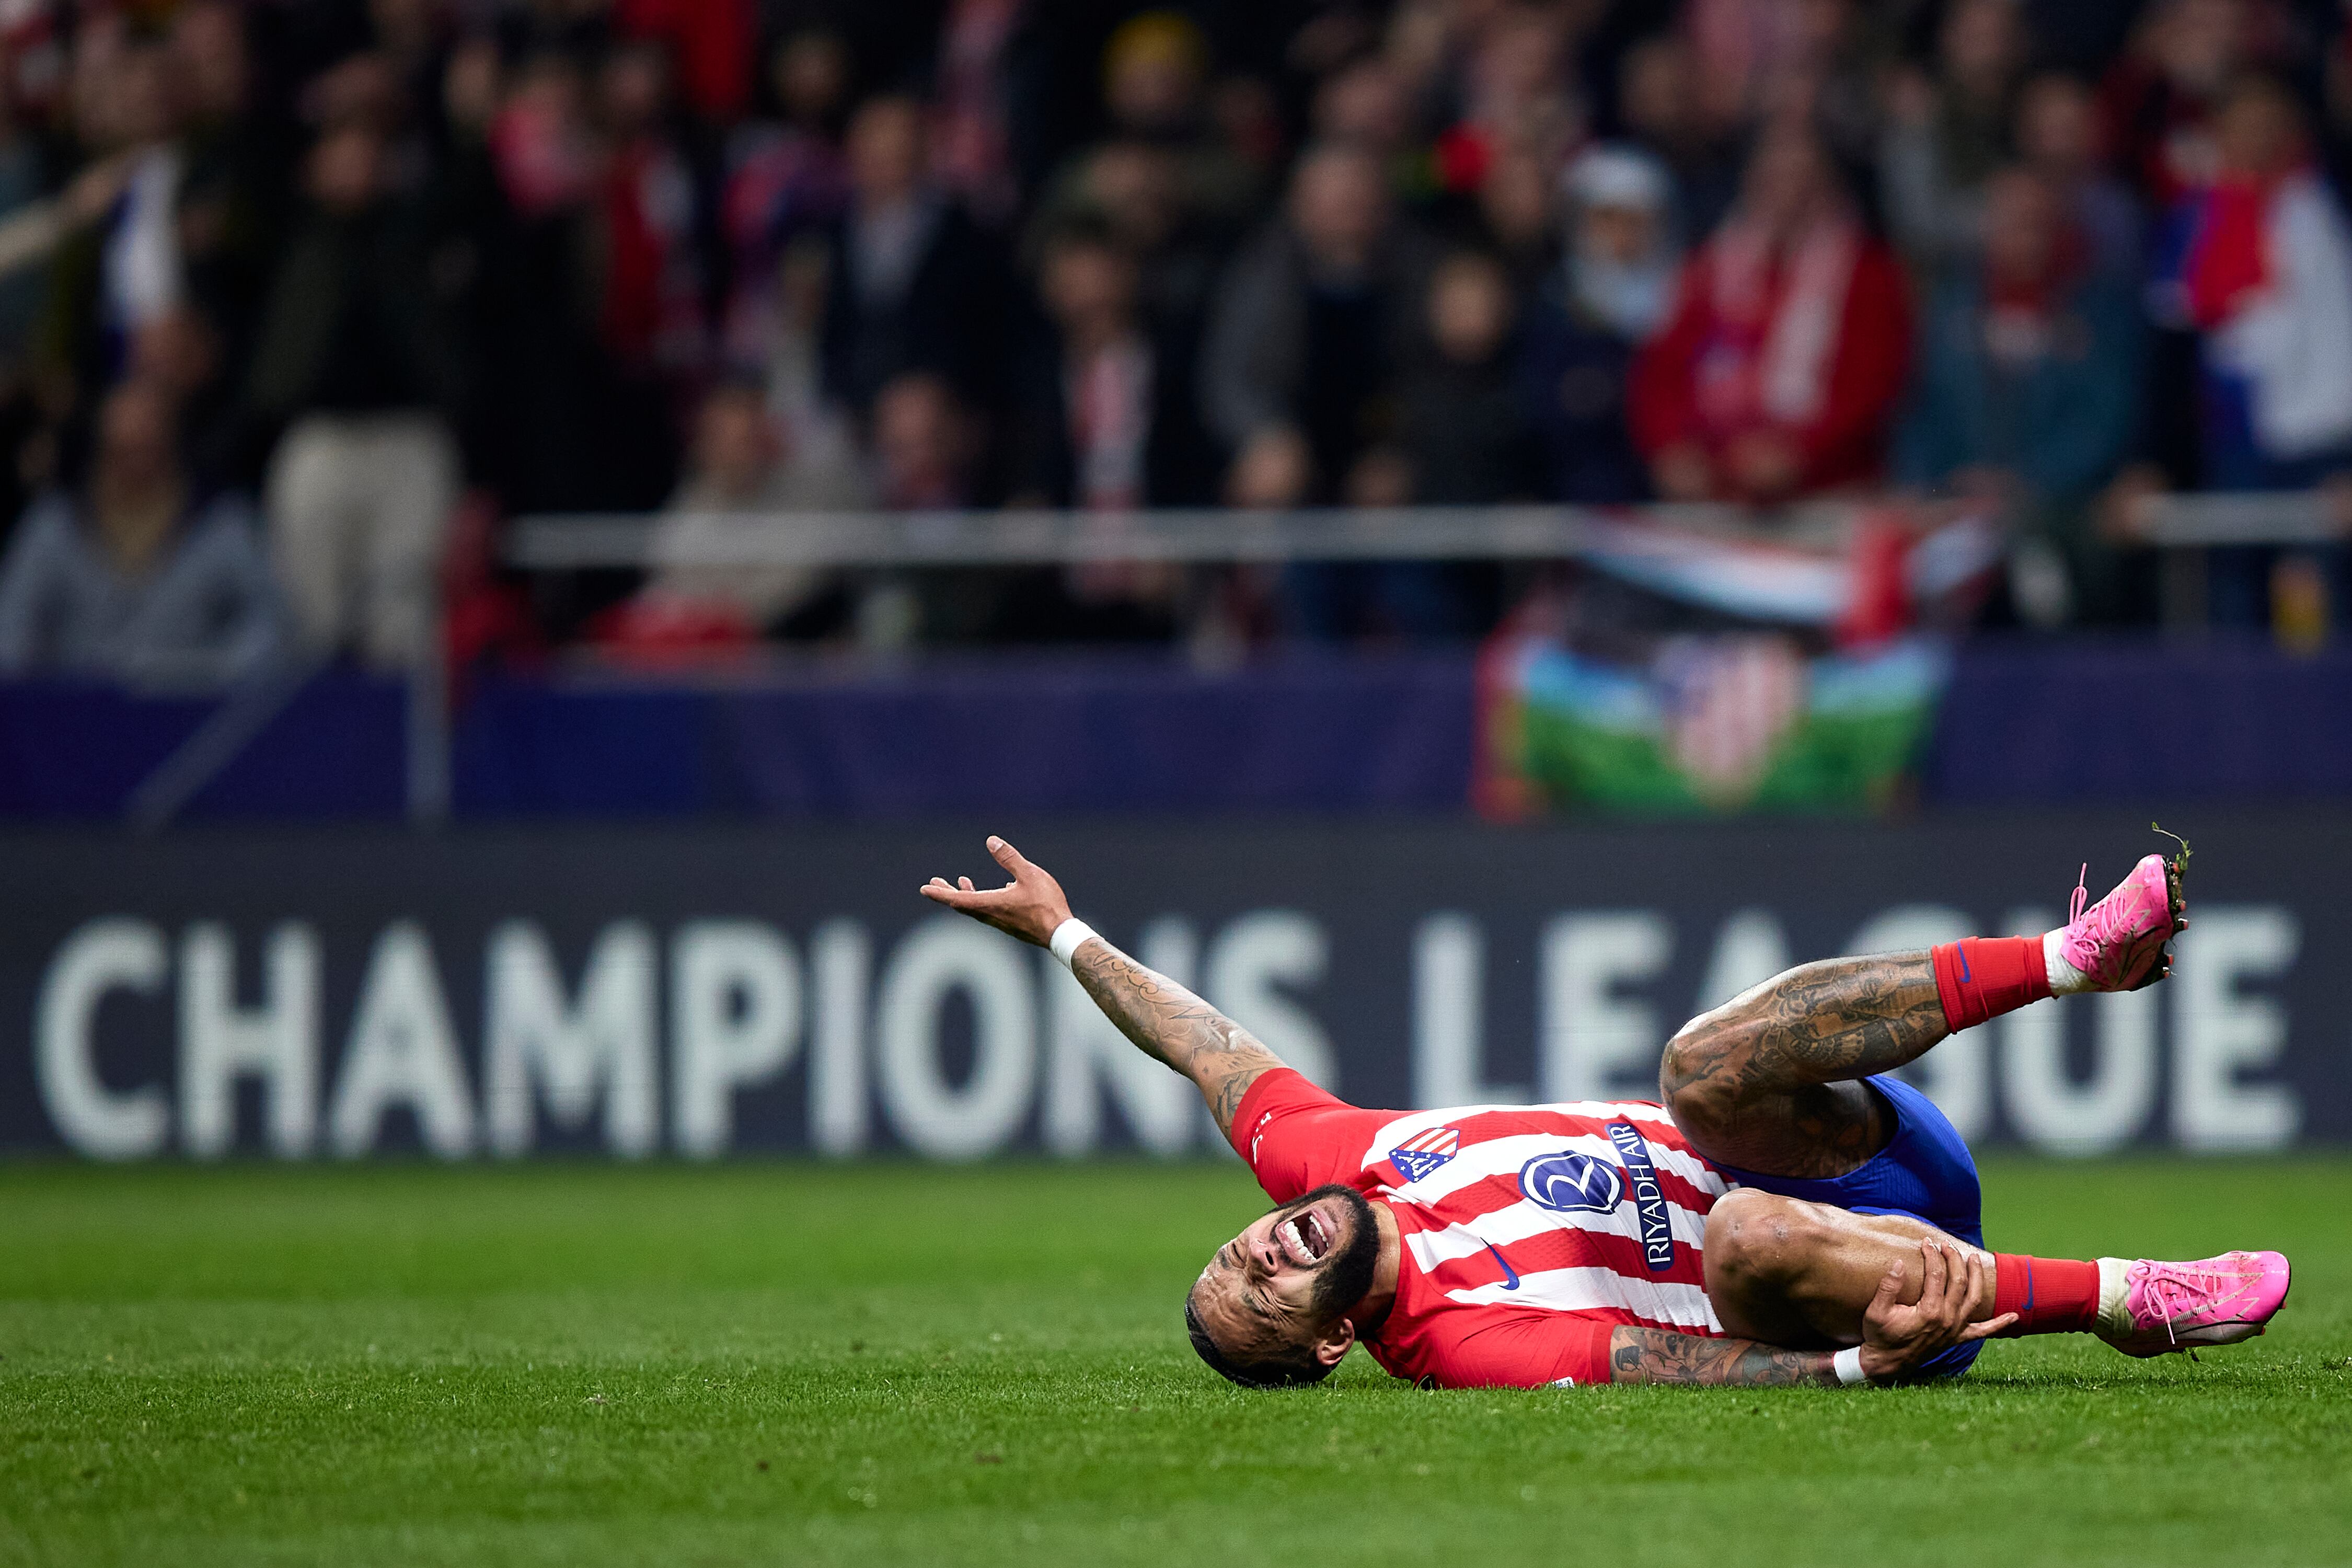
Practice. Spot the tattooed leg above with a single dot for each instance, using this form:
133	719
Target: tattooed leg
1800	1274
1767	1081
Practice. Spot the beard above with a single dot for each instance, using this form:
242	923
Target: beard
1346	1272
1629	298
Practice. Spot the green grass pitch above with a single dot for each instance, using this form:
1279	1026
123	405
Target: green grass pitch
895	1365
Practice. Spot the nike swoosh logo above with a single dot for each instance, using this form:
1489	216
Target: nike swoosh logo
1511	1275
1962	954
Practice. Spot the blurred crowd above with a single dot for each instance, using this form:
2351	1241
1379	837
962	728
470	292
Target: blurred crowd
301	301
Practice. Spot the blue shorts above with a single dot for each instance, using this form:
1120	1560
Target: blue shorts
1924	1171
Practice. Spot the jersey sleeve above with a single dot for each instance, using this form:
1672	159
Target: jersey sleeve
1295	1137
1520	1350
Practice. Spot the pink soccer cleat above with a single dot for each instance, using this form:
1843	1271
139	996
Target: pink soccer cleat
2168	1306
2118	943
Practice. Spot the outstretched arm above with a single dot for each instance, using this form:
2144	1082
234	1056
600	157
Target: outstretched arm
1167	1022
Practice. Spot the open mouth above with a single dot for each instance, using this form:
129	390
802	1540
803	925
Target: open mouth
1305	1237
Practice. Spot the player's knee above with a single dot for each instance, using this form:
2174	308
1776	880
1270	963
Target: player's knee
1699	1098
1757	1238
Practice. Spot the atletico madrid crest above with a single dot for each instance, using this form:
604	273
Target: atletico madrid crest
1424	1151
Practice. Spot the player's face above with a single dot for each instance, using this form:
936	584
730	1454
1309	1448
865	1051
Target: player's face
1275	1285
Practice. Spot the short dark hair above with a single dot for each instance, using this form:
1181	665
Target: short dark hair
1296	1371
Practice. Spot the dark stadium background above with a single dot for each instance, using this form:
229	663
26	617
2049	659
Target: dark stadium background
571	474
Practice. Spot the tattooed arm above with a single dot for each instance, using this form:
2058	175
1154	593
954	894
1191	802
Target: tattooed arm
1897	1338
1661	1355
1167	1022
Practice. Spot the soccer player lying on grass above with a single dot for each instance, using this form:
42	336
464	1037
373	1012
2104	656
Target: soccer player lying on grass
1786	1201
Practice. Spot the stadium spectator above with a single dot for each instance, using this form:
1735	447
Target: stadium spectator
1141	190
2260	262
1778	371
129	268
1107	420
2159	96
818	433
654	241
1665	113
1772	62
1463	436
137	576
741	463
1585	324
2058	135
550	403
2026	394
654	311
1155	94
784	178
1519	218
1310	325
924	445
353	361
711	41
973	106
916	286
1461	439
1946	132
237	168
1458	440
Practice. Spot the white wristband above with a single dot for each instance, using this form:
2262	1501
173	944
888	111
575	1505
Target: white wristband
1847	1363
1068	937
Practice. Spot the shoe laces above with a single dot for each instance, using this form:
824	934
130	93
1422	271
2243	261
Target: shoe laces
2176	1290
2105	924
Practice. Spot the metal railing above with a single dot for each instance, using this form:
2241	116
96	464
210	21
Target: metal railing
2182	526
587	541
603	540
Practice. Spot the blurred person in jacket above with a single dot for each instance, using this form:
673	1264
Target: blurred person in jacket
2059	136
1665	113
740	466
2159	96
352	362
1109	421
1462	432
1314	317
2027	394
1108	427
137	576
1607	297
785	177
1780	366
2259	262
915	285
1946	131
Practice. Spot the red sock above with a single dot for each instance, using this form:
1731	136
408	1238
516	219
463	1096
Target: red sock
1982	977
2049	1295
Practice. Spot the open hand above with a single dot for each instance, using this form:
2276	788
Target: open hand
1897	1338
1029	907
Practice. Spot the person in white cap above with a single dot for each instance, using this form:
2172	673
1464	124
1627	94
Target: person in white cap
1612	289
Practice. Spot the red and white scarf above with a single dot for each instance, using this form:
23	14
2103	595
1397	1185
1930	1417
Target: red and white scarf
1776	314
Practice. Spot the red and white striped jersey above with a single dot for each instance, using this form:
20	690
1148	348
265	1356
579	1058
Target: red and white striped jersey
1529	1231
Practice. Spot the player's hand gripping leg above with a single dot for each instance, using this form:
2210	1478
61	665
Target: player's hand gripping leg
1805	1275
